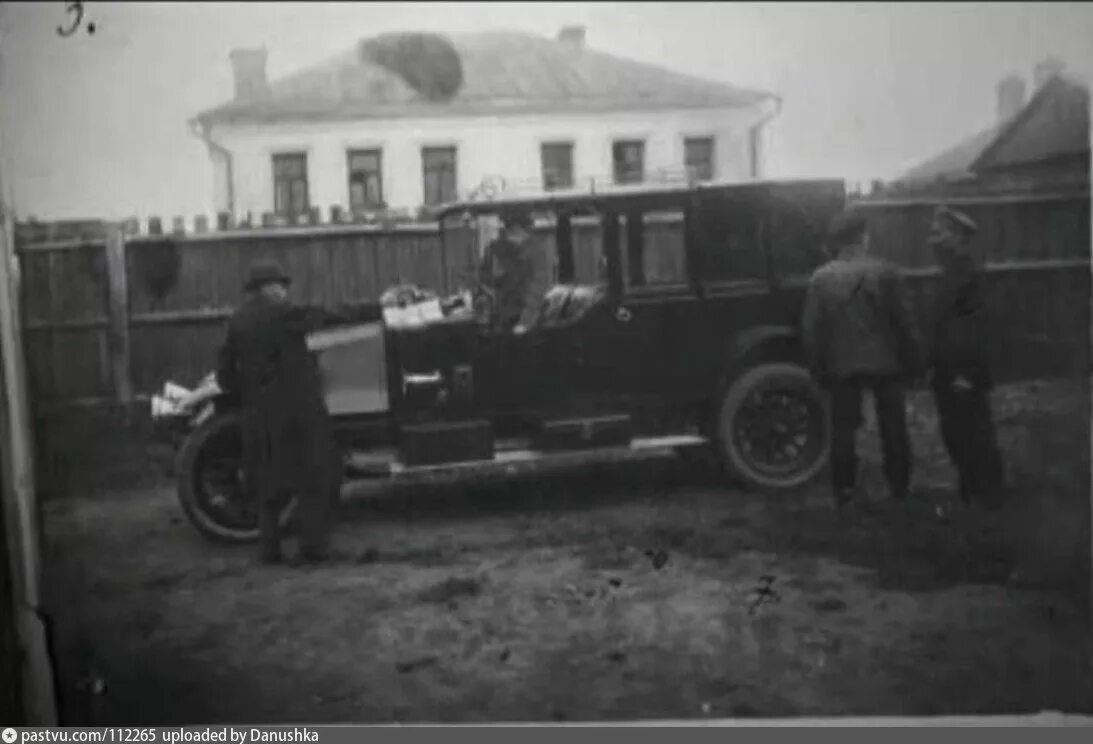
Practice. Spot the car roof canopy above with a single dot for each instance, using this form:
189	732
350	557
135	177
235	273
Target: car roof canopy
610	198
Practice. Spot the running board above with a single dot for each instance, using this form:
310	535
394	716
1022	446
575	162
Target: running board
514	457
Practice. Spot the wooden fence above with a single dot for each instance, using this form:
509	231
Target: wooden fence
1012	227
109	319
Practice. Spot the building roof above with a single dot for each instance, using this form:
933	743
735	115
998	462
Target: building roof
956	161
1054	123
503	72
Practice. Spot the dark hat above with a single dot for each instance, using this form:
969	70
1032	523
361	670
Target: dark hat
265	273
846	228
955	221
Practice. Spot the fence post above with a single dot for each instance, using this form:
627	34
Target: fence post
118	280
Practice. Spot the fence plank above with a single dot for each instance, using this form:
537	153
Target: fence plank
118	275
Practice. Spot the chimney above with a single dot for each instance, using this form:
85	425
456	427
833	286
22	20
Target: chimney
1047	69
249	69
572	37
1011	97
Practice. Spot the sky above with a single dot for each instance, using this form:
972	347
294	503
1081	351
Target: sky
95	125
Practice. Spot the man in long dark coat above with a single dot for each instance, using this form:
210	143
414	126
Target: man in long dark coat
961	376
287	441
859	335
515	268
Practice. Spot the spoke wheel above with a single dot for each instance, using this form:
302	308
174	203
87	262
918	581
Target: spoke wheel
211	485
773	430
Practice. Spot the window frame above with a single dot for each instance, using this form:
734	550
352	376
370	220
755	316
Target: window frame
569	148
427	150
704	139
278	161
636	279
366	206
617	146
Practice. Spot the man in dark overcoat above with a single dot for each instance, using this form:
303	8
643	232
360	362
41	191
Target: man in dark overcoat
961	375
516	270
287	441
860	335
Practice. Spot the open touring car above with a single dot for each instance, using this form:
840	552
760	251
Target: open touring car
674	326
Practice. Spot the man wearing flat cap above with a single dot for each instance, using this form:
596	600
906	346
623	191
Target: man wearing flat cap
287	442
516	270
960	366
860	335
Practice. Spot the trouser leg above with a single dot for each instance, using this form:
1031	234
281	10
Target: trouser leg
846	419
952	412
263	489
983	458
269	523
315	505
313	509
890	404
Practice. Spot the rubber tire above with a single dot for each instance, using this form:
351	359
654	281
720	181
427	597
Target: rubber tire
186	462
733	461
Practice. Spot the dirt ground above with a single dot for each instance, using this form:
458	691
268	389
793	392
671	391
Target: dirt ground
599	596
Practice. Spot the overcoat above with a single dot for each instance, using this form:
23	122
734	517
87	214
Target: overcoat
520	277
858	320
287	438
961	327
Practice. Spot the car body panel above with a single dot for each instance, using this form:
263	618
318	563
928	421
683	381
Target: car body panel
645	345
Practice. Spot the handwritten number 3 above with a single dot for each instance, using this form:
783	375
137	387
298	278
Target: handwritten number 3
77	8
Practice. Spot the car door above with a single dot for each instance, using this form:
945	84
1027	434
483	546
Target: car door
630	347
727	229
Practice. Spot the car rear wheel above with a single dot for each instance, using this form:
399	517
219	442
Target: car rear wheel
210	483
772	427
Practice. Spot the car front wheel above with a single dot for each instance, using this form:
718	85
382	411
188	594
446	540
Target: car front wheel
772	428
211	486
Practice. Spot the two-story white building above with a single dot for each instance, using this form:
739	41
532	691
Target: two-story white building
536	112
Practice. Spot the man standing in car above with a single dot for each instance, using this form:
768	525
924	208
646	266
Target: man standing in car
287	442
515	269
859	334
961	375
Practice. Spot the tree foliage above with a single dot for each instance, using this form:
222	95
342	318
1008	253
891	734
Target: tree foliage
429	63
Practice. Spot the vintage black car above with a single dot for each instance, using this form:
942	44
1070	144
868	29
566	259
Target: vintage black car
674	327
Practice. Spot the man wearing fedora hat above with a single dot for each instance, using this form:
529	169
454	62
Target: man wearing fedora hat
286	430
859	335
960	366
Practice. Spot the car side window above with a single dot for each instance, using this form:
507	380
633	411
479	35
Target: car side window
653	249
728	236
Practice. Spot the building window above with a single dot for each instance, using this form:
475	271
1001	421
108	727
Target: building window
438	166
365	180
290	197
698	158
628	158
557	165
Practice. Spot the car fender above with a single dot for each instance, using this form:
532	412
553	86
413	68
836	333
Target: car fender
780	343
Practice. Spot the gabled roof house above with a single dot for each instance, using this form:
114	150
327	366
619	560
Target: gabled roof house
1038	142
404	120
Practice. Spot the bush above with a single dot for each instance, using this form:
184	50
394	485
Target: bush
429	63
